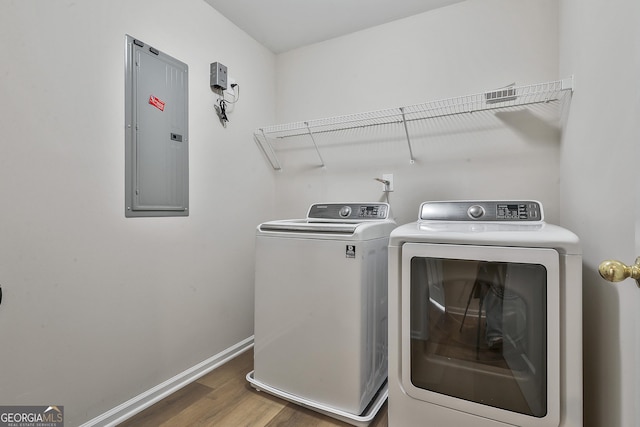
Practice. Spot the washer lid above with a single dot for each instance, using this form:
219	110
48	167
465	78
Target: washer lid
302	226
347	221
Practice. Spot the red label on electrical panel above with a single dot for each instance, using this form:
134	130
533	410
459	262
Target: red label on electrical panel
156	102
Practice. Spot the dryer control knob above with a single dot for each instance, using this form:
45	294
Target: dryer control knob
476	211
345	211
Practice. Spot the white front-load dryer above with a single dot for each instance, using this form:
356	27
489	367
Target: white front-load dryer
321	309
485	318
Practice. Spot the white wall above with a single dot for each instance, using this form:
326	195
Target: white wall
600	46
457	50
98	308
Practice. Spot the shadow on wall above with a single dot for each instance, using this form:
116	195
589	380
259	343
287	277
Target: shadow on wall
531	127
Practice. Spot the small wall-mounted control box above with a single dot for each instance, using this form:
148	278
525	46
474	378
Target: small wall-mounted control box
218	76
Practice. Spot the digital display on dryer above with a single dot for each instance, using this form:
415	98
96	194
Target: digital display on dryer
511	211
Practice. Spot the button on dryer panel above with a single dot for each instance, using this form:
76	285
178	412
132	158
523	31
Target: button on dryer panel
476	211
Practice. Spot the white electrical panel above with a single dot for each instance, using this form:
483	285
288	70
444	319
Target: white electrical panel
157	151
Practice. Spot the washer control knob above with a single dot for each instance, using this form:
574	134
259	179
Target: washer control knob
476	211
345	211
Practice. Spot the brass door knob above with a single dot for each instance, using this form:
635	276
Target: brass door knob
616	271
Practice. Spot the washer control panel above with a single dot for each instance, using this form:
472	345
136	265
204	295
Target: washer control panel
348	211
483	210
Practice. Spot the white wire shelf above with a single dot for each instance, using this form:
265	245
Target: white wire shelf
512	96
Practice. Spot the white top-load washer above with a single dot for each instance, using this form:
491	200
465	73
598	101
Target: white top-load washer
321	309
485	318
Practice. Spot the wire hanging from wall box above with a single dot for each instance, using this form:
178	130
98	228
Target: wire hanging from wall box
494	99
224	87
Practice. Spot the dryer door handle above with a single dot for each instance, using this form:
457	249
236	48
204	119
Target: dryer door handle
616	271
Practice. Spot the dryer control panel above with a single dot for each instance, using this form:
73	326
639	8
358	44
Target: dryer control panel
348	211
483	210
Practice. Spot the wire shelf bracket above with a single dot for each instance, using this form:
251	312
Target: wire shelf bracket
412	160
315	144
267	149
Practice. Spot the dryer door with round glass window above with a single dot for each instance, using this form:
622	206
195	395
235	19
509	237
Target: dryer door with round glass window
480	330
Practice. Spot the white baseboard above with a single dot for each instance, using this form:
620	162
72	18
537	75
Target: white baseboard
142	401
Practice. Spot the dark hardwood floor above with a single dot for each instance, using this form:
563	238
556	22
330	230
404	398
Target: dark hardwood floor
225	398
